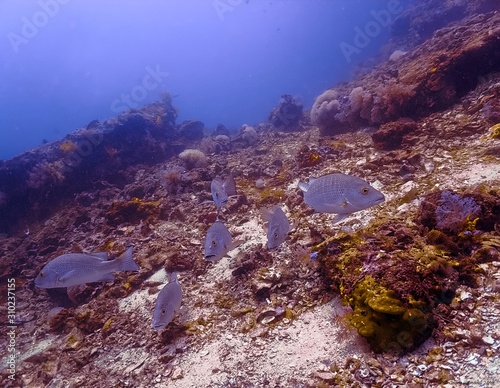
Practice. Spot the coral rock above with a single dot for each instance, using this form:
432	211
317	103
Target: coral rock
287	114
425	80
390	135
193	158
191	129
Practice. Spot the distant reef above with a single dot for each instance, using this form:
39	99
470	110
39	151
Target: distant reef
427	78
34	183
421	77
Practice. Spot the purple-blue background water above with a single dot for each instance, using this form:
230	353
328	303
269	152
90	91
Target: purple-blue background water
67	62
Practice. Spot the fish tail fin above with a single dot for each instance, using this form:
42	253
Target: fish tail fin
303	186
173	277
229	185
217	216
126	263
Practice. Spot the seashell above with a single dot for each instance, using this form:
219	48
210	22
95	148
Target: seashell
266	317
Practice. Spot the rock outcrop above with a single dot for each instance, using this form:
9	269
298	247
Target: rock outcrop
431	77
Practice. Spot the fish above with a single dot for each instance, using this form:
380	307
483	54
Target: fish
278	226
341	194
222	190
218	242
73	269
167	303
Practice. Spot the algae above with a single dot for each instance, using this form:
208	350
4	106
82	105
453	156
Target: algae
383	319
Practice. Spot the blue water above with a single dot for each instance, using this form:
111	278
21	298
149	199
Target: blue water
67	62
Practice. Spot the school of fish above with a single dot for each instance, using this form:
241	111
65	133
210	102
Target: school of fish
334	193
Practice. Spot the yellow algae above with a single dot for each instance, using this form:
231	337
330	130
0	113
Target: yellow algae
67	146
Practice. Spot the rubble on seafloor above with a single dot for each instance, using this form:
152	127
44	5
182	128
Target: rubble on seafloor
401	294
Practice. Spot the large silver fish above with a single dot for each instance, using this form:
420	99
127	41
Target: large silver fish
168	303
278	226
79	268
341	194
222	190
218	242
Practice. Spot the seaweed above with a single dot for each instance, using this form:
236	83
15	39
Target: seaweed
382	318
133	211
393	279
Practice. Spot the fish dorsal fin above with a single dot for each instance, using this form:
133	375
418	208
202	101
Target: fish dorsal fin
266	214
100	255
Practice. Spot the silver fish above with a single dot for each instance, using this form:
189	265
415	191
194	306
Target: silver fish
168	303
218	242
222	190
79	268
278	226
340	193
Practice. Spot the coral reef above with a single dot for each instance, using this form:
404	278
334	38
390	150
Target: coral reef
97	152
423	80
191	129
389	306
417	23
131	212
325	108
396	296
390	136
404	294
455	211
192	158
46	174
307	157
287	114
248	136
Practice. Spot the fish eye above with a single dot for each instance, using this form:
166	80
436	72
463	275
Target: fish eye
214	243
163	311
275	234
42	274
364	190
